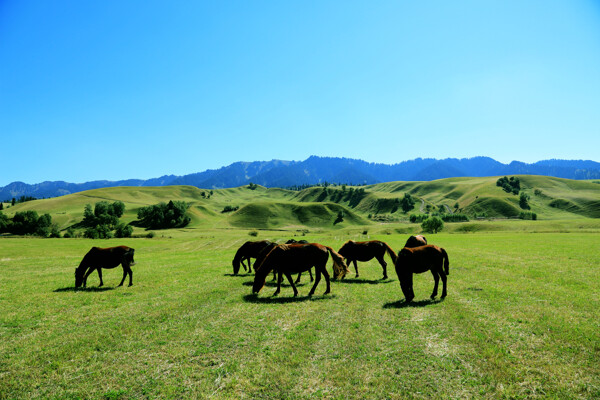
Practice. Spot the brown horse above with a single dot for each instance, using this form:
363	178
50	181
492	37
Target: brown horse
416	241
364	251
110	257
289	259
420	259
245	252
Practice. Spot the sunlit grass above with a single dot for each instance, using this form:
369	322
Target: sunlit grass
520	321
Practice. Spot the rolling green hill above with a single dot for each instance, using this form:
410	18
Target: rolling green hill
318	207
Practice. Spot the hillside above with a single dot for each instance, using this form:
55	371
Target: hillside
315	170
320	207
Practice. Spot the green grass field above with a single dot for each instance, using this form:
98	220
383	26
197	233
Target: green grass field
520	320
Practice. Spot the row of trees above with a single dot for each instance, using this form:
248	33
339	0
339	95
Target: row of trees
29	223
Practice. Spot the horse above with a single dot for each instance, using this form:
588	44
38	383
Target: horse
420	259
416	241
292	241
98	258
289	259
364	251
245	252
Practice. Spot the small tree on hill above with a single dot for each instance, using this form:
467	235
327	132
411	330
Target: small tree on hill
407	203
432	225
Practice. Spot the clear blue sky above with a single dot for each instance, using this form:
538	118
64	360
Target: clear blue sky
121	89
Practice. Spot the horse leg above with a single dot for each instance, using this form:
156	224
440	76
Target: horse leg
100	276
124	275
355	267
383	265
289	278
130	272
298	278
279	278
327	280
436	278
444	279
317	279
274	275
89	271
310	273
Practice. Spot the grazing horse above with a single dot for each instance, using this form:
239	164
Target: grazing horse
245	252
289	259
416	241
292	241
364	251
110	257
420	259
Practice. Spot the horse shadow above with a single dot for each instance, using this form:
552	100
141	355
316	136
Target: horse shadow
82	289
239	275
253	298
353	281
274	284
413	304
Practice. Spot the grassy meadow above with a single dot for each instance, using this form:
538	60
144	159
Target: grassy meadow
520	320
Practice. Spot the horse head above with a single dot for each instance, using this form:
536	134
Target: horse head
79	272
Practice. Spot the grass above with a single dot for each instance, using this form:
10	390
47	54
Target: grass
520	321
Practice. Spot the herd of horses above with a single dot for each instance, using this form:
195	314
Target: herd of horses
296	257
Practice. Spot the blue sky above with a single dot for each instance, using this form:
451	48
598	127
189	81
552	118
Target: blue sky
138	89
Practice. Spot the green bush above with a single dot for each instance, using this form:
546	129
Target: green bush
123	231
164	216
432	225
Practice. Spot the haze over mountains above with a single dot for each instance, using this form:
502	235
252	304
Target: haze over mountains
314	170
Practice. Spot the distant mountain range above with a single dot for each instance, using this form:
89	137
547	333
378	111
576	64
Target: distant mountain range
314	170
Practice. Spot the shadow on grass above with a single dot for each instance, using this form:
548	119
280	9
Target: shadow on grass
414	304
253	298
82	289
364	281
284	283
240	275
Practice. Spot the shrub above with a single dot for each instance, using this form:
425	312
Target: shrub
432	225
227	209
70	233
417	218
253	233
164	216
528	215
123	231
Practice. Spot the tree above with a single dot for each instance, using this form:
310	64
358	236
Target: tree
4	223
123	231
524	201
164	216
407	203
432	225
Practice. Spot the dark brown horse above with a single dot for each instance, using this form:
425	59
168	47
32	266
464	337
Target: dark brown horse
245	252
420	259
290	259
365	251
110	257
416	241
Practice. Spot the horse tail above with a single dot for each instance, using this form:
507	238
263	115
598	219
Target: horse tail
340	269
446	262
391	253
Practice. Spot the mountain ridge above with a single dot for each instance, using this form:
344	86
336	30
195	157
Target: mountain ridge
315	170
